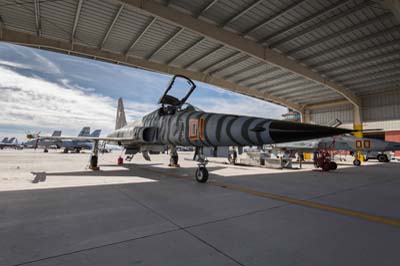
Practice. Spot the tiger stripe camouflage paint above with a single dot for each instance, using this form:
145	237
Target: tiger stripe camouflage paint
196	128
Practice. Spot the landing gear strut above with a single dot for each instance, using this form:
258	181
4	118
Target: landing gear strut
173	161
201	172
94	156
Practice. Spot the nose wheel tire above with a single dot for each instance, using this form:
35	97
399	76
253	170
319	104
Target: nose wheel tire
357	162
333	165
201	175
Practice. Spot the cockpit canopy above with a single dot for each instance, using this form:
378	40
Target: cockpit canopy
178	83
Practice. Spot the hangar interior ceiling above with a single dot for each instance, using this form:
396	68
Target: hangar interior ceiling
297	53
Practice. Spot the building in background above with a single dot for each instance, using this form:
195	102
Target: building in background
292	115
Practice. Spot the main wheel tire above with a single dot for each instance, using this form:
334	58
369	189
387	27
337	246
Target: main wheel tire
201	175
326	166
333	165
65	151
382	158
357	162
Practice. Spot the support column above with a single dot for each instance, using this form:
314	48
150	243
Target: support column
306	116
357	121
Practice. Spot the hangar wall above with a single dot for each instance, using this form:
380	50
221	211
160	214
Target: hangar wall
378	110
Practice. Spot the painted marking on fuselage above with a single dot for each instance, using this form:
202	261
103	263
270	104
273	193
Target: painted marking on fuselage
245	130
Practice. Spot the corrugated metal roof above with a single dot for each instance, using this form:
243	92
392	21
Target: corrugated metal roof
355	43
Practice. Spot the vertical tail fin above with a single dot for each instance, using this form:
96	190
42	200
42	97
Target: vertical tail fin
11	140
120	120
96	133
56	133
85	132
4	140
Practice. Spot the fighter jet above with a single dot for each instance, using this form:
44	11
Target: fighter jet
44	143
77	145
9	143
177	123
343	143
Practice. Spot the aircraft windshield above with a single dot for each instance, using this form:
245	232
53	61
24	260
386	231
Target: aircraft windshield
189	107
180	88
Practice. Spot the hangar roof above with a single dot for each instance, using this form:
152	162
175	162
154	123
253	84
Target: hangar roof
295	53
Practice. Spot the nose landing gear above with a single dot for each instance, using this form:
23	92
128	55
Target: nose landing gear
201	172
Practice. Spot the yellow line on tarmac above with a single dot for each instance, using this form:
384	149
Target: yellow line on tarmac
300	202
309	204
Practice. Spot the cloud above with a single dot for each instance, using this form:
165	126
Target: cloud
34	103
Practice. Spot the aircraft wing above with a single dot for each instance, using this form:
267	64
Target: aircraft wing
81	138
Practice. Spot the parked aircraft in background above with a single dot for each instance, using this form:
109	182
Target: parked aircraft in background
44	143
176	123
9	143
77	145
342	143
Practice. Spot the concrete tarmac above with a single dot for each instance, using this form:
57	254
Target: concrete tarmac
144	213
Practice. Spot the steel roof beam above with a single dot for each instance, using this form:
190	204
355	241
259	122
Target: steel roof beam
248	68
264	81
162	46
269	20
342	32
261	75
287	84
350	43
111	26
325	104
293	89
342	68
257	75
220	62
237	42
393	77
216	50
352	54
118	58
188	49
305	21
76	20
205	8
373	76
362	76
241	13
321	24
311	95
38	22
153	20
230	64
305	91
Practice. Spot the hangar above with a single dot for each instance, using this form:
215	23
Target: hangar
324	59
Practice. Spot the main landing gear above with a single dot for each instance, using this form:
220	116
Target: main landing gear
201	172
173	161
93	164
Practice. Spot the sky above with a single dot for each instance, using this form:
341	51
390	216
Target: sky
42	91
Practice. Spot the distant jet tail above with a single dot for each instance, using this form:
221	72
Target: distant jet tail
121	119
11	140
4	140
85	132
96	133
56	133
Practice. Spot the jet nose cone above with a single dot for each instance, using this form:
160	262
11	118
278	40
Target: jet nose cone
284	131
